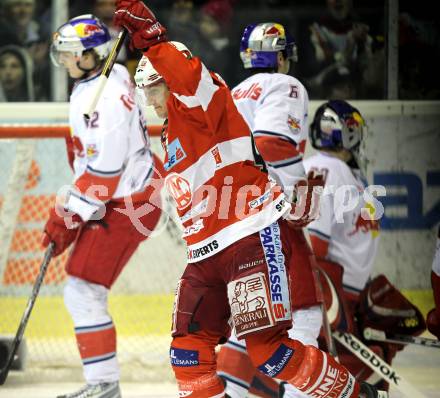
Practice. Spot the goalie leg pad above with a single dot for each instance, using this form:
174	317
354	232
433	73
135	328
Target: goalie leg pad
193	361
339	310
103	248
307	368
433	317
433	322
94	329
304	286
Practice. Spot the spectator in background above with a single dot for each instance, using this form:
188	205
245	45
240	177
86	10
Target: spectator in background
15	75
39	52
104	10
182	24
419	50
215	47
338	83
17	25
339	40
373	77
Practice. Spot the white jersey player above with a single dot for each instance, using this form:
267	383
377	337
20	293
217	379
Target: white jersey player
345	238
275	105
115	130
345	235
347	229
113	166
347	225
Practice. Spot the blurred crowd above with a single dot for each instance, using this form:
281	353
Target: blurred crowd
342	44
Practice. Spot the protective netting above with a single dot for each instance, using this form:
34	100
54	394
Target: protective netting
140	302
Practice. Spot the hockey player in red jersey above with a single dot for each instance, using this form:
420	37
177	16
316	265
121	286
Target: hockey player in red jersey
114	170
433	318
275	106
345	236
237	242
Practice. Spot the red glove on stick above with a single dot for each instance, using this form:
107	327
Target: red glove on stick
308	193
58	232
140	22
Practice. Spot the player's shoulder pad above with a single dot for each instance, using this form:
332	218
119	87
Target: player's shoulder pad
291	80
282	79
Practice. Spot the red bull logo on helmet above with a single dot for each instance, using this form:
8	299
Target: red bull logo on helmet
86	30
276	30
354	120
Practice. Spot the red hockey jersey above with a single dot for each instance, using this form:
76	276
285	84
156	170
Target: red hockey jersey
220	193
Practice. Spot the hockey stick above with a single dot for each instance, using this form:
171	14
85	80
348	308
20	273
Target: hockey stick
102	80
331	346
376	363
27	312
328	334
379	335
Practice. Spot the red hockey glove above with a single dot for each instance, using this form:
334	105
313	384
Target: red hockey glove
140	22
433	323
306	206
383	307
56	231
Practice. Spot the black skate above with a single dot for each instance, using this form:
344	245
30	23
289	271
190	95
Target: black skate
369	391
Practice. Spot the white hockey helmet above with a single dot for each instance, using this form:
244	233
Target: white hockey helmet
337	124
261	42
85	32
146	75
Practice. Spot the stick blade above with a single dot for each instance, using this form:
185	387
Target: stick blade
3	375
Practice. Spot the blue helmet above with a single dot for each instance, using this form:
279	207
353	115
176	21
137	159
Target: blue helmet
260	44
81	33
337	125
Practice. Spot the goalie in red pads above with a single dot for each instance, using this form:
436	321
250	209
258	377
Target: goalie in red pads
344	238
237	241
433	318
112	205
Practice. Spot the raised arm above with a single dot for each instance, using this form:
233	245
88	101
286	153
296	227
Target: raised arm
186	76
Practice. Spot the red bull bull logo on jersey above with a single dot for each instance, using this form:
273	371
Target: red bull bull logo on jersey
365	222
294	123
